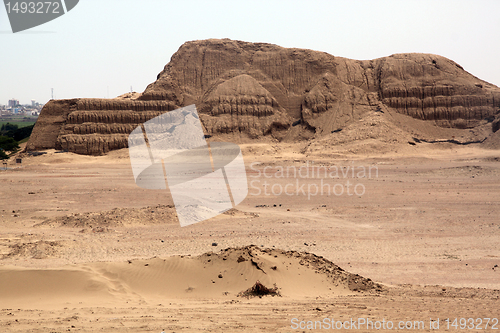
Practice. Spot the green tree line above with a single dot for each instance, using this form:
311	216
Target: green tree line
10	134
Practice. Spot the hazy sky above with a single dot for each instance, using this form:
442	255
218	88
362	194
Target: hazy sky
103	47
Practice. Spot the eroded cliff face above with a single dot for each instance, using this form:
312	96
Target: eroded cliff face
256	90
92	126
327	92
434	88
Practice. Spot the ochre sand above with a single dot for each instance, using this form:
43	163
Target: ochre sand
84	249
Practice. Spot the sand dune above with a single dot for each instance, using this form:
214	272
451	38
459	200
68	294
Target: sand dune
224	274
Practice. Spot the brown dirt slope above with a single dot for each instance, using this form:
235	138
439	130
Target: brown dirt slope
257	90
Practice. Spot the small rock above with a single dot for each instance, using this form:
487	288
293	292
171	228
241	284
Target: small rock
220	276
214	244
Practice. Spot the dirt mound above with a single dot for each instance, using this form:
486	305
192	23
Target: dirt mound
231	272
36	250
256	90
271	264
104	221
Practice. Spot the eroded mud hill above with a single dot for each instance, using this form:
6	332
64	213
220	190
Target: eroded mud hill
259	90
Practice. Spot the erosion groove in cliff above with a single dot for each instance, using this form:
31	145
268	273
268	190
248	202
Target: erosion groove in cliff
258	90
91	144
132	105
111	117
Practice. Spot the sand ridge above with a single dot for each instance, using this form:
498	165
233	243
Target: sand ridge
219	275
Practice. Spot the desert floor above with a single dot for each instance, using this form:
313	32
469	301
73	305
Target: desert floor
83	249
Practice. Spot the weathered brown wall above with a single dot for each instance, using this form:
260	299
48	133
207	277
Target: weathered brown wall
49	124
434	88
91	126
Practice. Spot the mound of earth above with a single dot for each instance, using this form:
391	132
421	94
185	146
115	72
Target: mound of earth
36	250
264	91
103	221
228	273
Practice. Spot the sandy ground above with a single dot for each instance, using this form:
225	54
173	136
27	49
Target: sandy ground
83	249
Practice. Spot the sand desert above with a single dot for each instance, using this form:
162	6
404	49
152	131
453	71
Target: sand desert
407	232
84	249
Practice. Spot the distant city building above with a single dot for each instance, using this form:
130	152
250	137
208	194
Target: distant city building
15	109
13	103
